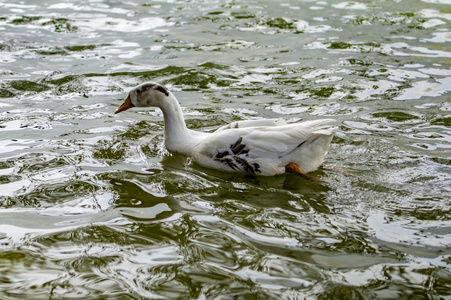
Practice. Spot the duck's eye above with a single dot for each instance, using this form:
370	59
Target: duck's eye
138	91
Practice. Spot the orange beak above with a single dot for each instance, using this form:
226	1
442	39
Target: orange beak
126	105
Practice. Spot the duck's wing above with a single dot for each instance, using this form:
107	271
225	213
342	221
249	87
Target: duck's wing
264	142
281	140
252	123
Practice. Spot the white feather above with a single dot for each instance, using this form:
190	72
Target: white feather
252	123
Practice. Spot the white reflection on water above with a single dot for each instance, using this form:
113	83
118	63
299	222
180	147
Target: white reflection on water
272	281
288	110
8	146
439	37
91	7
20	225
432	23
414	51
11	188
426	89
405	232
351	5
239	233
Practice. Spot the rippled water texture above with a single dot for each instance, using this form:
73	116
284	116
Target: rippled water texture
93	206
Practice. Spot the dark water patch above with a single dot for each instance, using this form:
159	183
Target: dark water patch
324	92
442	121
16	262
193	283
147	192
430	213
90	234
196	79
24	20
28	86
141	129
61	25
307	197
63	85
200	77
57	84
213	18
360	62
80	48
40	162
179	231
181	179
341	291
153	147
401	281
110	151
206	122
212	65
19	201
362	47
215	13
339	45
345	244
396	116
280	23
12	256
442	160
5	91
142	76
90	263
55	193
52	51
243	15
395	19
9	178
5	47
58	80
393	93
159	233
65	50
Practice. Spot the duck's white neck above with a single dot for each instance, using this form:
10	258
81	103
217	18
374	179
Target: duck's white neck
176	135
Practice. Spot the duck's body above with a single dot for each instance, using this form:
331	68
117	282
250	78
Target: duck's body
262	147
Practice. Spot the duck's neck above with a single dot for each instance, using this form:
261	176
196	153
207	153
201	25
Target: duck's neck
176	135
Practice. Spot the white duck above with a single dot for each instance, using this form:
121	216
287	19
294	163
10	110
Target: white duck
262	147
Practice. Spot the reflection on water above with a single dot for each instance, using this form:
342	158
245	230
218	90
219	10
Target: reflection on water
93	205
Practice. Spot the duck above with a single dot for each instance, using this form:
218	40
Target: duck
266	147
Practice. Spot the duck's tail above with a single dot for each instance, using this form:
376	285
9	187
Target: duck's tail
311	153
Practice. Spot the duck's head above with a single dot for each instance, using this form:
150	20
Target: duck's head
145	95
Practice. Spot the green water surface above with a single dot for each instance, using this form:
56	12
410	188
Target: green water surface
92	206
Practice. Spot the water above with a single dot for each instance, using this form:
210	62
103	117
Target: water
93	206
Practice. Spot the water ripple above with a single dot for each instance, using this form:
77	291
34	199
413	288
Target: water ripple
93	205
